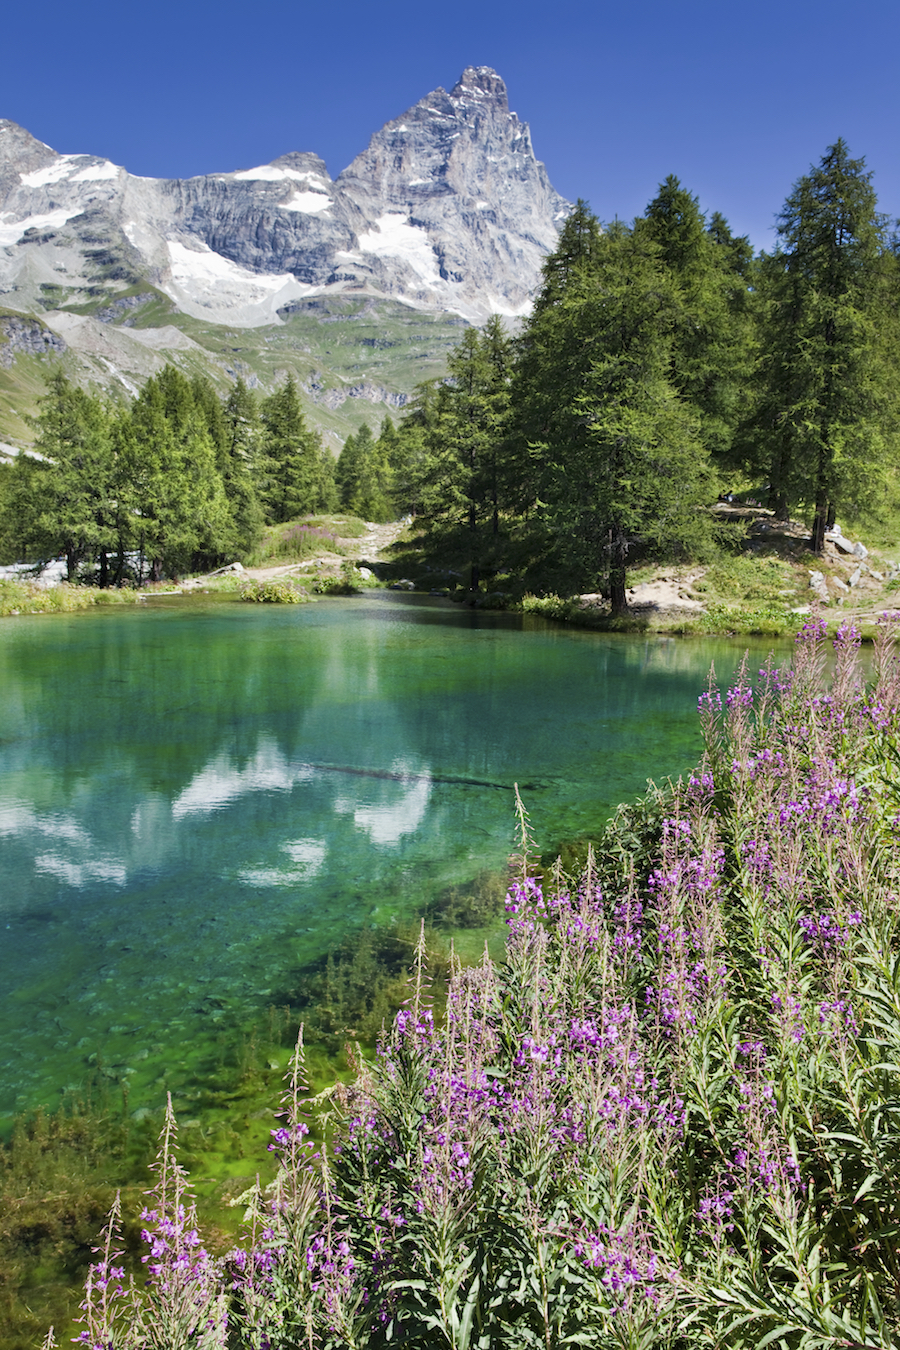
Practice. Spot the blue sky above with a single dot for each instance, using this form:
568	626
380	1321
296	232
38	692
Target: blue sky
736	100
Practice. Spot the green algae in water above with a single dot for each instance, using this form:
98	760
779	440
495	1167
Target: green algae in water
199	801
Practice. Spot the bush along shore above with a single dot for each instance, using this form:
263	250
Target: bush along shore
667	1117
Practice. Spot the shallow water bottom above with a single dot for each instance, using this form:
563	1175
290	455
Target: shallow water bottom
200	800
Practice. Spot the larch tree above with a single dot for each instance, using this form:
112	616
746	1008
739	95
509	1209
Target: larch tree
179	498
463	426
74	509
712	335
823	422
295	470
623	469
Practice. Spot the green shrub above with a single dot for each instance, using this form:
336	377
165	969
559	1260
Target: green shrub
273	591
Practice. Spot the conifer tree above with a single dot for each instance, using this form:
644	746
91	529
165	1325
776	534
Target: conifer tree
623	471
711	319
823	426
362	477
239	467
459	474
181	509
295	471
72	506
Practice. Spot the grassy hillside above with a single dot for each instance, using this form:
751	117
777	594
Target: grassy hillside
355	358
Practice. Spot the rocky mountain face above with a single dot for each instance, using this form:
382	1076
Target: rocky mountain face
447	212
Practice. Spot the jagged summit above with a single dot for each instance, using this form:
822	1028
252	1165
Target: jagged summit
447	208
481	82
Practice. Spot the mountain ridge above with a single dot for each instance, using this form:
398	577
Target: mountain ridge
446	212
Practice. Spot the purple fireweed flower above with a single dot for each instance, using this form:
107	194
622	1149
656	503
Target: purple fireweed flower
778	679
415	1027
790	1014
825	931
768	763
701	789
287	1135
760	1167
715	1211
758	860
813	631
630	1268
838	1015
739	696
847	637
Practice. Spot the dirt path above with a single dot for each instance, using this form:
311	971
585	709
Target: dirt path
367	549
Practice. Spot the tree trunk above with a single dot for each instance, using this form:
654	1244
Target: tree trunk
71	564
777	486
155	570
817	543
120	563
617	598
104	569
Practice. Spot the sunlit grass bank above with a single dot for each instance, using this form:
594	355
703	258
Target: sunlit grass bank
23	597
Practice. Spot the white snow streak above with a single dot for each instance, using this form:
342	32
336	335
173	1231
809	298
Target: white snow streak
394	237
309	202
51	173
274	173
64	167
10	234
96	173
205	268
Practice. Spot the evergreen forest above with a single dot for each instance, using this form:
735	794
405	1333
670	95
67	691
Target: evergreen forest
663	364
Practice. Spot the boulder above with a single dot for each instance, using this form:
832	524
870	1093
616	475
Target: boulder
841	544
818	585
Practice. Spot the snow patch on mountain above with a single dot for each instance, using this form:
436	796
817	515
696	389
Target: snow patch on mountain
200	265
307	201
267	173
50	220
394	237
50	173
97	173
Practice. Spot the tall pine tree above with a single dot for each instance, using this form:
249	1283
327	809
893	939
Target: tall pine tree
711	318
297	476
623	471
823	423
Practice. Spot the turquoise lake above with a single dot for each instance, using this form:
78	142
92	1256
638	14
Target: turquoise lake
198	798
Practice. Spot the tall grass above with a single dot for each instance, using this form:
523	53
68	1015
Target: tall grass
24	597
296	540
669	1117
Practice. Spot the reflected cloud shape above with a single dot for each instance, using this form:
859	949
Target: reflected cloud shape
308	856
79	874
220	782
19	819
16	818
387	822
309	853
